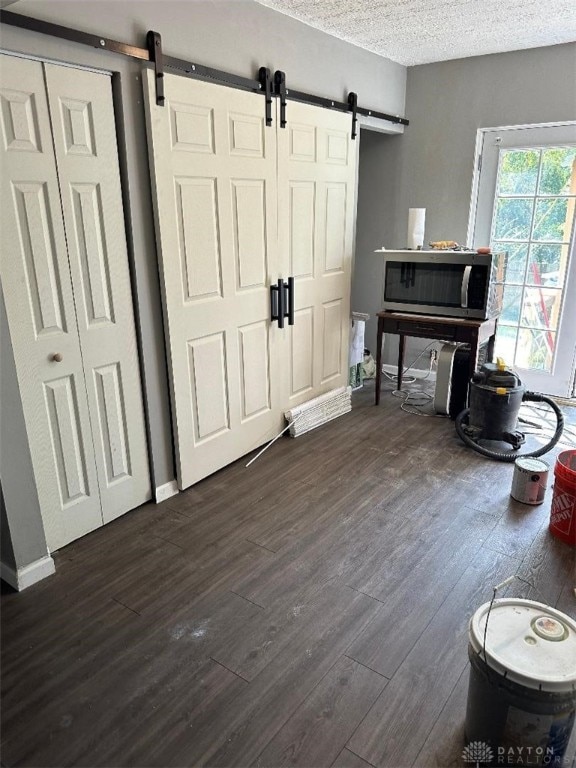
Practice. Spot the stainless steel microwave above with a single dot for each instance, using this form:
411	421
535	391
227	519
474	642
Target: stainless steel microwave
453	283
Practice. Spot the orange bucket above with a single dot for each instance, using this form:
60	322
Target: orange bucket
563	512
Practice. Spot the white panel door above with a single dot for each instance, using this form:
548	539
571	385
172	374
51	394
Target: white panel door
82	115
40	306
214	169
317	162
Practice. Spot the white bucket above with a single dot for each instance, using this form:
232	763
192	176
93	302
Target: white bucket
522	691
530	480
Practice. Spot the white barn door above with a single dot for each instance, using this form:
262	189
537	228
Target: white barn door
317	166
213	165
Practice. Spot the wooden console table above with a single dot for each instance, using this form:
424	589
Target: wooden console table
456	329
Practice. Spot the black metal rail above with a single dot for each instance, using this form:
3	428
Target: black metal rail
154	53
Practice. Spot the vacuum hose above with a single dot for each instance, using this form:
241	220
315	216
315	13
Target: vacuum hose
531	397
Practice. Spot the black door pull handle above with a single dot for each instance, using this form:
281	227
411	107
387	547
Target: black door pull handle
282	302
290	292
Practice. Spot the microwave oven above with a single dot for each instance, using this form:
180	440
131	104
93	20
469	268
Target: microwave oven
450	283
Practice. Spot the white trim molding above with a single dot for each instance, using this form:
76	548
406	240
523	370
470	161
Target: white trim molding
166	491
21	578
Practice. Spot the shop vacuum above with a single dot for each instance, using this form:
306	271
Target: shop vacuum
495	396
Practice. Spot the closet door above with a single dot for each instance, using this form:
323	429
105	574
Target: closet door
83	124
214	170
40	307
317	162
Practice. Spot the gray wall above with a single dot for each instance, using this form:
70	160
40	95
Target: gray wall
377	187
6	549
20	509
431	165
238	36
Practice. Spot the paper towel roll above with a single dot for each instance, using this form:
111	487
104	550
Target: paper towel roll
416	221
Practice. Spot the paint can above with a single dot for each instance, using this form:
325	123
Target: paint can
530	480
522	690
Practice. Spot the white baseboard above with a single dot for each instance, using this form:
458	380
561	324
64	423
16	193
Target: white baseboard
22	578
166	491
418	373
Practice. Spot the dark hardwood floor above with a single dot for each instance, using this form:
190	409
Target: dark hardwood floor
311	610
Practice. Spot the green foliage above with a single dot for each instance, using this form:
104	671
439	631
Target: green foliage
515	217
518	172
557	165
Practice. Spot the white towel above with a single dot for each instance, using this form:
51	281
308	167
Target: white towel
357	342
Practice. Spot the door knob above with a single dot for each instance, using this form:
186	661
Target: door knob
57	357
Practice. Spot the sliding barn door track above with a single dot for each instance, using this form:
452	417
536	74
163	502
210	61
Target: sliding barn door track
265	84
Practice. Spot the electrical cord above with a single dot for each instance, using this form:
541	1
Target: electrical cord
413	401
406	380
391	377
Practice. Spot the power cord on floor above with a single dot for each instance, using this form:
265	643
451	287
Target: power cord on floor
412	379
413	400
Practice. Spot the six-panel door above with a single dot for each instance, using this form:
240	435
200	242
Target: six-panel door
317	163
214	170
82	115
68	299
39	300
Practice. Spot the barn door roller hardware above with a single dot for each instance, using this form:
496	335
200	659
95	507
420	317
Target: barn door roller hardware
280	89
162	62
266	83
155	52
353	105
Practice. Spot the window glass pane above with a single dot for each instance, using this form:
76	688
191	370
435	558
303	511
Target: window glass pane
558	170
541	308
550	220
516	261
511	305
512	218
535	349
547	265
506	343
518	171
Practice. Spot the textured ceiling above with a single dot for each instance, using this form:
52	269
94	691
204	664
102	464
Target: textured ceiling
421	31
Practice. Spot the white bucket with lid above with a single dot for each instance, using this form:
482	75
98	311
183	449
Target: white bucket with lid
522	691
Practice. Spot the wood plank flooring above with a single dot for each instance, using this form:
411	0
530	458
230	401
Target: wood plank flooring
308	611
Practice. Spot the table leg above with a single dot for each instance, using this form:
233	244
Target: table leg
401	349
473	353
379	336
491	342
